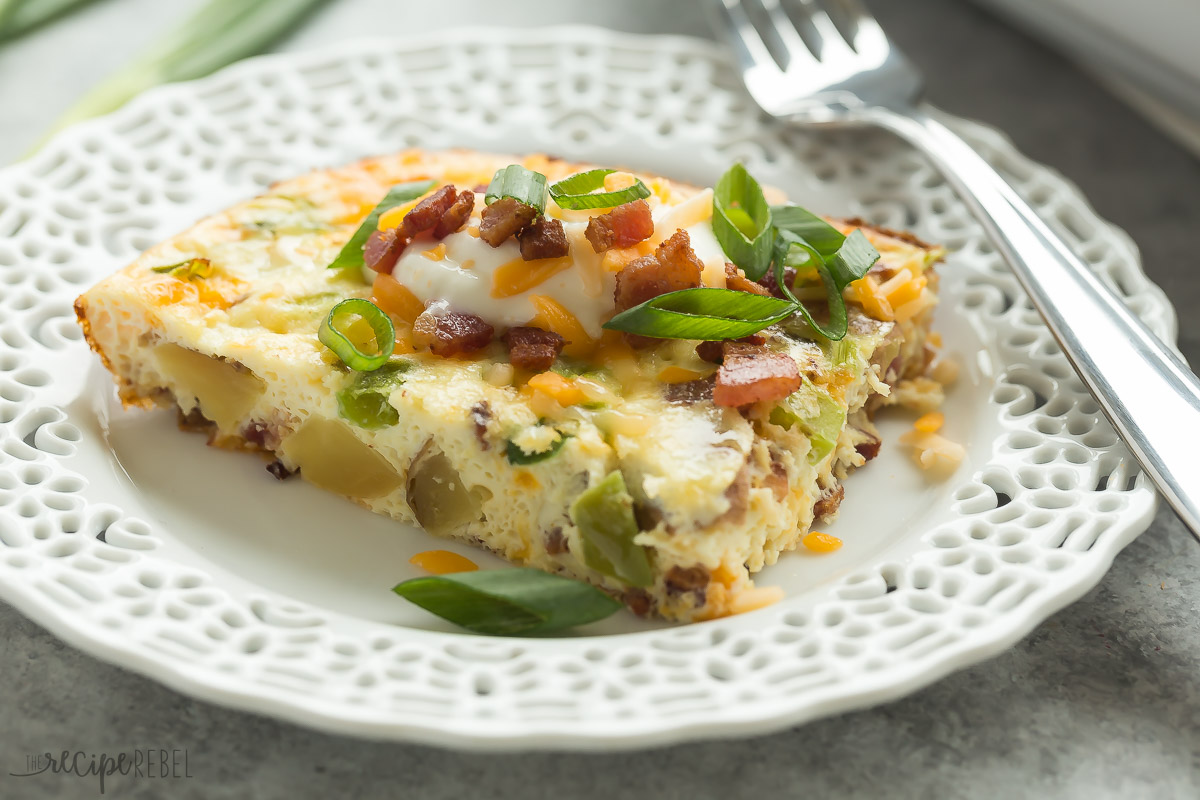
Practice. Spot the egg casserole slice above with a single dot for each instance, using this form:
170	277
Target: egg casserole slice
609	461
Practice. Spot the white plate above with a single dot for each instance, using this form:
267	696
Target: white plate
138	544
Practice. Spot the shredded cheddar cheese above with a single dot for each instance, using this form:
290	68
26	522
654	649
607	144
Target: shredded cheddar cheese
519	276
931	422
552	316
755	598
673	374
563	390
821	542
437	253
394	298
442	562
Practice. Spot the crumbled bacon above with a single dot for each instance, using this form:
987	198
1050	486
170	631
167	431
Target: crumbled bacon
686	579
556	542
777	481
452	334
672	267
504	218
769	283
428	212
545	238
714	352
481	413
826	507
383	249
868	449
455	216
624	226
689	392
752	374
736	279
533	348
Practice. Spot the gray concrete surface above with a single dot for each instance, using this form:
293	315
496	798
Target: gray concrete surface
1103	700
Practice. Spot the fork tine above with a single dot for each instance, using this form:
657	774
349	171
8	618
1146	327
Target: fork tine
830	40
866	34
749	46
784	35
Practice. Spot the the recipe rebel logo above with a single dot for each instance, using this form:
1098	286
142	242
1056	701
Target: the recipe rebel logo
148	764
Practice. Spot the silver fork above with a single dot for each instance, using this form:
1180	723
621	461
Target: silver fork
801	66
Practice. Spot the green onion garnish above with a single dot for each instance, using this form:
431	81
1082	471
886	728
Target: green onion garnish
519	457
345	331
221	32
705	313
579	191
364	401
20	16
741	221
509	602
351	256
186	270
521	184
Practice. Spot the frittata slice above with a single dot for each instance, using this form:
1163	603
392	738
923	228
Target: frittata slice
507	416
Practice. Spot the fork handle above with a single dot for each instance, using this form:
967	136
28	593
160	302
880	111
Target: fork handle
1145	389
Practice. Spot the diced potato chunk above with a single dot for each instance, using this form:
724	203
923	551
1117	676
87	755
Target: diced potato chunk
332	457
224	392
437	495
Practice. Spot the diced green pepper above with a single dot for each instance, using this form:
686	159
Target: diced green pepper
819	416
516	455
604	516
365	401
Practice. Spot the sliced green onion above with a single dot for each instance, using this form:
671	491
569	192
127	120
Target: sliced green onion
338	334
186	270
519	457
848	262
607	526
509	602
705	313
364	401
521	184
579	191
816	232
221	32
820	417
21	16
741	221
351	256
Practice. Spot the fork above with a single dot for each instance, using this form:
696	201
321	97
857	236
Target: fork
800	66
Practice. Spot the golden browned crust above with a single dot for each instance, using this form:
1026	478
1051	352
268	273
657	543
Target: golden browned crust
903	236
125	390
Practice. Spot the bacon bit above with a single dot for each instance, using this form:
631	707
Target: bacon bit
533	348
827	506
690	393
455	216
395	298
679	580
714	352
624	226
868	449
556	542
736	279
383	249
673	267
428	212
504	218
545	238
931	422
436	254
821	542
769	283
752	374
452	334
777	481
442	562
